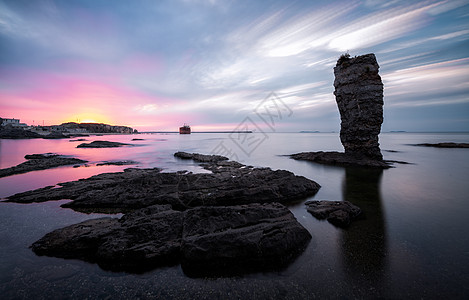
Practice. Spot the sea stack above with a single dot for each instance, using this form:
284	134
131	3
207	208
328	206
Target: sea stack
359	96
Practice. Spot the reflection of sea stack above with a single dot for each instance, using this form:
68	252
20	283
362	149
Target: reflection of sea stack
359	96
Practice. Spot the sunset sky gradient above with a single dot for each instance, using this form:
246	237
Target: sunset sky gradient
154	65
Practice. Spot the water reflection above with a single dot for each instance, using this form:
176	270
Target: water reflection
364	242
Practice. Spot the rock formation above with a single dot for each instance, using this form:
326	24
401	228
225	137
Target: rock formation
359	96
102	144
40	162
231	183
206	240
339	213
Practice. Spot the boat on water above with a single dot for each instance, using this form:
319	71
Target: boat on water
186	129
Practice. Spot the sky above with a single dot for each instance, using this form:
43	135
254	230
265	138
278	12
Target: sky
222	64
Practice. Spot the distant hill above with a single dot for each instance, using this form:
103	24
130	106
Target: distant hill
98	127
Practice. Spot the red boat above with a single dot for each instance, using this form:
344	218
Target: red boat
186	129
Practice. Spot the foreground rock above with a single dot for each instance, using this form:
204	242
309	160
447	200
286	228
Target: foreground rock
340	159
102	144
359	97
40	162
445	145
339	213
138	241
200	157
220	240
206	240
231	184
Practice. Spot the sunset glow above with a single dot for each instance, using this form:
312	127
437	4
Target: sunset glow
68	62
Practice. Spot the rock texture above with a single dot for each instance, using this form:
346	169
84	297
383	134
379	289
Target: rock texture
339	213
40	162
359	96
102	144
207	240
231	183
118	163
8	132
220	240
445	145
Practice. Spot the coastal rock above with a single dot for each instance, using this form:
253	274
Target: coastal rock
231	184
118	163
206	240
56	135
236	239
341	159
139	241
445	145
9	132
40	162
200	157
102	144
339	213
359	96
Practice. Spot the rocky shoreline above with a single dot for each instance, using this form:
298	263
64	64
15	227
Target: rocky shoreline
37	162
222	223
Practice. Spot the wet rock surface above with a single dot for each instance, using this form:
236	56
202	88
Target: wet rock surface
102	144
118	163
40	162
339	213
445	145
231	183
200	157
208	241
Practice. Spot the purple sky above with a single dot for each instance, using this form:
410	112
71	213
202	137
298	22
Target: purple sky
154	65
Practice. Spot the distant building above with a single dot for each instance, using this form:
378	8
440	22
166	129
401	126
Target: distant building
12	122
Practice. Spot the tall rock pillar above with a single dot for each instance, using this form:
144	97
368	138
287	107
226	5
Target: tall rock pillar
359	96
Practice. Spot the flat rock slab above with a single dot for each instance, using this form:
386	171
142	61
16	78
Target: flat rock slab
102	144
40	162
231	183
206	240
200	157
236	239
340	159
445	145
338	213
118	163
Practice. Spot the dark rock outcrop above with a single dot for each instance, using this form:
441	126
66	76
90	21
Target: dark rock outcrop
359	96
102	144
207	240
200	157
339	213
341	159
230	240
139	241
445	145
40	162
231	183
118	163
9	132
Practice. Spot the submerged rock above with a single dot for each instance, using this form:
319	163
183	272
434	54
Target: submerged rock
118	163
206	240
102	144
231	183
339	213
445	145
40	162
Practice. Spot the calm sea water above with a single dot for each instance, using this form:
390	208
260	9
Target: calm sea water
414	242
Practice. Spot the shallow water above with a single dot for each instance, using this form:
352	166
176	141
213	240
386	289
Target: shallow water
413	242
